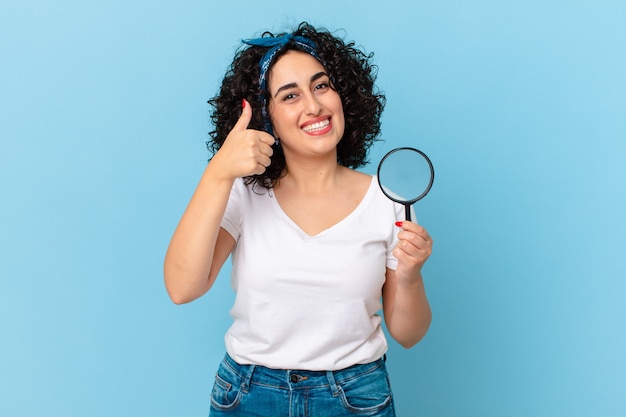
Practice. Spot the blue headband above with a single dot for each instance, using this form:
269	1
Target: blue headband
275	44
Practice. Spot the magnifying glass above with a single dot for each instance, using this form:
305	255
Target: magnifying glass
405	175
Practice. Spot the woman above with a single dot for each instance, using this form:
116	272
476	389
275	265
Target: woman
315	245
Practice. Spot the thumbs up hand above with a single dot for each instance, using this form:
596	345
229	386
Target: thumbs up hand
245	151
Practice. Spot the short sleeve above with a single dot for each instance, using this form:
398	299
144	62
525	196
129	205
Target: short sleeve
398	214
233	216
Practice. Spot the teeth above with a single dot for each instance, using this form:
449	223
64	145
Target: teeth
316	126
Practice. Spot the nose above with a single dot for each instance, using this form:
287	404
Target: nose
312	105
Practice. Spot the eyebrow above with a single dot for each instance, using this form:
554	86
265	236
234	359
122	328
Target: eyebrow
292	85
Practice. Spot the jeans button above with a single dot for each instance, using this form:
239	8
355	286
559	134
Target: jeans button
294	378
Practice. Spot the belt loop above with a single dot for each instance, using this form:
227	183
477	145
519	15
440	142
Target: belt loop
333	385
246	382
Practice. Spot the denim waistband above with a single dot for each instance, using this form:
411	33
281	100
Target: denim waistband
295	378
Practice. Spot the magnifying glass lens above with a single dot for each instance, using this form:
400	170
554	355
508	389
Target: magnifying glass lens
405	175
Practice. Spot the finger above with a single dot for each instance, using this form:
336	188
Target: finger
408	225
262	163
265	148
267	139
244	119
414	228
413	246
260	169
263	160
410	252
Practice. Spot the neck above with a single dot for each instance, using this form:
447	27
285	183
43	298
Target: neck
313	176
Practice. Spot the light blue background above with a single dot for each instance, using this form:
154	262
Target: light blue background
520	104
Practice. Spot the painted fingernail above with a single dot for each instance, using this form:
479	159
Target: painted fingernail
399	224
243	103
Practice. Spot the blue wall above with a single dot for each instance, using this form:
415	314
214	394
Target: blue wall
520	104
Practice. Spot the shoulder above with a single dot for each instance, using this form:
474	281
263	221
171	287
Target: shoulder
355	175
355	184
356	179
243	187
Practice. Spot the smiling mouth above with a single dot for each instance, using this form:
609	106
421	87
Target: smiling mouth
317	126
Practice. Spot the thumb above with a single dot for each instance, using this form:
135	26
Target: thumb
246	116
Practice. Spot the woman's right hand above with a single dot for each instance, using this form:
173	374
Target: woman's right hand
199	246
245	151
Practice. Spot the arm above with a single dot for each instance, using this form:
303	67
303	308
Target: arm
405	305
199	246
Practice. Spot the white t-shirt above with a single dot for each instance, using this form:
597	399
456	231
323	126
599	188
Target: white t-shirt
308	302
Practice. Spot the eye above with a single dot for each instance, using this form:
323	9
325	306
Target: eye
320	86
289	96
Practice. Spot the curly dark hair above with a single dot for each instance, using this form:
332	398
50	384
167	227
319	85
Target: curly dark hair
351	74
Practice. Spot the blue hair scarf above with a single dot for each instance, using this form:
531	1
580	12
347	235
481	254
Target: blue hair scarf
276	43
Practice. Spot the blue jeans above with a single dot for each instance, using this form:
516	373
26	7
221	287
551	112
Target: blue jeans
257	391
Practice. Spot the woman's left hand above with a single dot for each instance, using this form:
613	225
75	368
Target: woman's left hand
413	249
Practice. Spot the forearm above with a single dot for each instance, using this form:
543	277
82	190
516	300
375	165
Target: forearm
190	254
410	316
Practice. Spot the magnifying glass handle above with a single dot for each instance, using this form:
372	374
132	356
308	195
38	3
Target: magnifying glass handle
407	212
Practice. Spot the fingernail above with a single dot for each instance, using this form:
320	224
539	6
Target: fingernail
243	103
399	224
